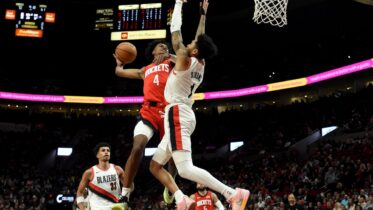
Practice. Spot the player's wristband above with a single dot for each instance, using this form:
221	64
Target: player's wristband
79	199
202	11
219	205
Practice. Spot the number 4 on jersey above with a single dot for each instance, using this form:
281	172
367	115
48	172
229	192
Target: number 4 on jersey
156	80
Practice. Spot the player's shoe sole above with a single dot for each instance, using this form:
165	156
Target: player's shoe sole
118	206
169	199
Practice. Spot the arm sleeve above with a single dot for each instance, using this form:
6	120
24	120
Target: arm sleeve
176	20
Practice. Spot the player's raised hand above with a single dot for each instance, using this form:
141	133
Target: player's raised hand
119	63
203	7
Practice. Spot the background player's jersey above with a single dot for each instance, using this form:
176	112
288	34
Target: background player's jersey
204	202
155	77
105	187
181	85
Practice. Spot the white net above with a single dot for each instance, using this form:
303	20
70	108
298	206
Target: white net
271	11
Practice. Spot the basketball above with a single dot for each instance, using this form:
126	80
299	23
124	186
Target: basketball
126	52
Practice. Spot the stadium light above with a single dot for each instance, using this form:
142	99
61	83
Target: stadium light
327	130
234	145
64	151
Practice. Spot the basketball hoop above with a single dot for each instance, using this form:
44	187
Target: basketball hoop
271	11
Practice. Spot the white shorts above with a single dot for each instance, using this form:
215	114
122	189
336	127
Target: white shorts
142	129
179	125
100	205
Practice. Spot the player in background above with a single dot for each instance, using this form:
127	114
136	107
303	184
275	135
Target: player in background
155	76
103	181
206	199
180	120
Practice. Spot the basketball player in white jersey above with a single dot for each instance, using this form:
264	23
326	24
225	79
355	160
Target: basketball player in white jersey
103	181
180	120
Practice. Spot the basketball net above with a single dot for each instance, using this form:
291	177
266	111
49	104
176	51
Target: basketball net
271	11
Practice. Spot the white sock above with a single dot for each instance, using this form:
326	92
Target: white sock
187	170
228	192
176	20
179	196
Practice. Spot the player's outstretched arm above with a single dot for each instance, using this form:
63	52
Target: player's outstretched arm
182	60
202	21
176	22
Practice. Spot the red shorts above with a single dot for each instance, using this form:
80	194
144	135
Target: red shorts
151	115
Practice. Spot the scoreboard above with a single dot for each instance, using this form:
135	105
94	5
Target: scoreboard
139	17
139	21
133	21
104	19
30	19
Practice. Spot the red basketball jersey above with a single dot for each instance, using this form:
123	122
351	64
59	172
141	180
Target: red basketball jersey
155	78
204	202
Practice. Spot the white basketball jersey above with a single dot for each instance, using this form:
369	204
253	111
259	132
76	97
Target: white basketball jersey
181	85
104	188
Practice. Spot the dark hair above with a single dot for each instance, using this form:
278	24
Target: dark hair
99	145
206	47
149	49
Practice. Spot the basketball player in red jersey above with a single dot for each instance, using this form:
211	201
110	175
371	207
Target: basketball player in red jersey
155	76
103	181
205	199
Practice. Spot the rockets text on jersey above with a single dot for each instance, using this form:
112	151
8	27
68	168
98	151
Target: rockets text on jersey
204	202
155	81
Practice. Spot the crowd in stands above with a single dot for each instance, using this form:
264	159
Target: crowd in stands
336	174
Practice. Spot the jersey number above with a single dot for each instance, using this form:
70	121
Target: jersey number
156	80
113	186
191	90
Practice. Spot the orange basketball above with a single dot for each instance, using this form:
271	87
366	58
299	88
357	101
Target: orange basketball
126	52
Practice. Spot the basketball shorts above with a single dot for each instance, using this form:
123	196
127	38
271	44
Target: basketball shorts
151	121
180	123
